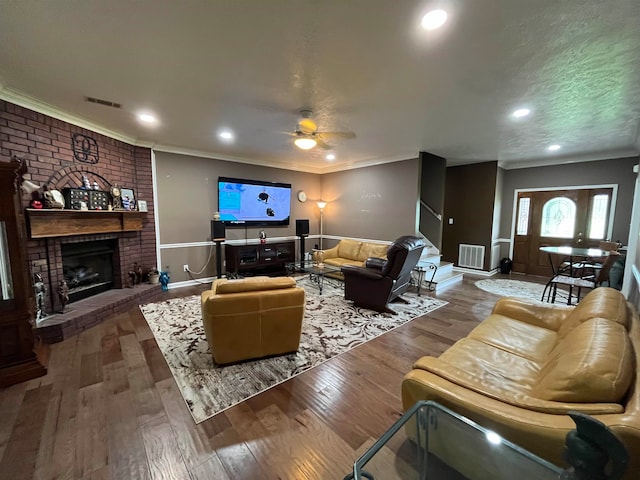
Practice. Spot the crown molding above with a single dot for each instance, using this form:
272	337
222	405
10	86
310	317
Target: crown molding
365	163
26	101
228	158
39	106
264	163
563	160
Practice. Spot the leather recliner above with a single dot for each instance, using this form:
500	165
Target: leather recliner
381	281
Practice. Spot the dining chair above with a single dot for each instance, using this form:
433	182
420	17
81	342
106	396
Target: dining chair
586	277
596	265
605	245
610	246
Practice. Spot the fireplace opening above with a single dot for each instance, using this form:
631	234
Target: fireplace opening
88	267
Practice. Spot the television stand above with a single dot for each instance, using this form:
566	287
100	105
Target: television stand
259	258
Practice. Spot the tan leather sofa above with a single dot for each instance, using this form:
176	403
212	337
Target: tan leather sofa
350	252
252	317
524	367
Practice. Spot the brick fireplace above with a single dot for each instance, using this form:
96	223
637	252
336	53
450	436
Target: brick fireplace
49	148
53	271
88	267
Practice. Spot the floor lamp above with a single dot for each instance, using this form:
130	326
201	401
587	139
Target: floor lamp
321	206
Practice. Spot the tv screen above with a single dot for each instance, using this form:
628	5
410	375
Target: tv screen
253	202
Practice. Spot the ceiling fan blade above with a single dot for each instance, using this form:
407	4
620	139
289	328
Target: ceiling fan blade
336	134
321	144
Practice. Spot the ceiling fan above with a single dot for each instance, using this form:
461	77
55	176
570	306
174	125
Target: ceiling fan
306	135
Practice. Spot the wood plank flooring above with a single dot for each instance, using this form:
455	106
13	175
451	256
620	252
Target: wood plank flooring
109	408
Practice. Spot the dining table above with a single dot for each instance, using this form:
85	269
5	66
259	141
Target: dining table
570	261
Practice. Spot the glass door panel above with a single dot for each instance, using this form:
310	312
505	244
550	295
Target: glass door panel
6	283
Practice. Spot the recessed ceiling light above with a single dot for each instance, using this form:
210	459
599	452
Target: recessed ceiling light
330	157
226	135
521	112
434	19
553	148
147	117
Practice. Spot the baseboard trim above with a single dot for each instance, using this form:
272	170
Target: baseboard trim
190	283
482	273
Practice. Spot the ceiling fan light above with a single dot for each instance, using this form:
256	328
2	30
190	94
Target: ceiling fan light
434	19
305	143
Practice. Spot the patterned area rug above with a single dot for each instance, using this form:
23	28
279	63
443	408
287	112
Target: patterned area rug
331	326
515	288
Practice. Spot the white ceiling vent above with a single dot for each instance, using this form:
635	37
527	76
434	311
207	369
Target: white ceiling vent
106	103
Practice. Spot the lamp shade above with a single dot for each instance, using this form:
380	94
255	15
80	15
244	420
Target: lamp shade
305	143
321	205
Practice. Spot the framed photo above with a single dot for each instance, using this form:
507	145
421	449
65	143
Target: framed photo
142	206
128	199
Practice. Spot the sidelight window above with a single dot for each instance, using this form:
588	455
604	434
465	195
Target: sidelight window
524	206
599	213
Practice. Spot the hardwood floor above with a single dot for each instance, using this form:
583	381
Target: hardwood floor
109	408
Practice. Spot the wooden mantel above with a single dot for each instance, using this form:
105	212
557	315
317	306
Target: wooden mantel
45	223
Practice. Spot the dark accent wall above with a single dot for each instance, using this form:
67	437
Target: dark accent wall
615	171
469	199
432	182
45	145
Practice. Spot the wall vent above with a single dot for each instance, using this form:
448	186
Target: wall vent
106	103
471	256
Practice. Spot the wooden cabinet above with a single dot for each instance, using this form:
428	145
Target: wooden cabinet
18	361
260	257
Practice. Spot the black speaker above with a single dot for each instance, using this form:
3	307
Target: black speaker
302	227
217	230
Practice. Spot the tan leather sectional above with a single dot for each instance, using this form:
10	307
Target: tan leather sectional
524	367
350	252
252	317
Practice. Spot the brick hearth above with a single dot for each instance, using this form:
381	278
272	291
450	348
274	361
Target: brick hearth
91	311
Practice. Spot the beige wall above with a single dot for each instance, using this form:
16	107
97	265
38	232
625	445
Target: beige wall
377	203
187	192
618	171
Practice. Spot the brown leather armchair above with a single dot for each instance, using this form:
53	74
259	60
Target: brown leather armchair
381	281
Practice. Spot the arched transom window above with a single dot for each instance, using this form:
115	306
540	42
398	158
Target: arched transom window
558	218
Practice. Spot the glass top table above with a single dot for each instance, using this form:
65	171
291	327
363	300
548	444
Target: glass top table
431	442
316	271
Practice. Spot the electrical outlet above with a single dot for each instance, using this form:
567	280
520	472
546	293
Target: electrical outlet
185	268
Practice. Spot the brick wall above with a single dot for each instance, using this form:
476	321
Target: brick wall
45	143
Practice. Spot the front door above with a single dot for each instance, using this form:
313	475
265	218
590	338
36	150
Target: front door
578	218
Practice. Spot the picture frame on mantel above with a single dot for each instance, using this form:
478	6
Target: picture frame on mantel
128	198
142	206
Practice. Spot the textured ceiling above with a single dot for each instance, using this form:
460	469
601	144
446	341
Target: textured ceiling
361	65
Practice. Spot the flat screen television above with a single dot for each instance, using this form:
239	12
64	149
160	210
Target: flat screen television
253	202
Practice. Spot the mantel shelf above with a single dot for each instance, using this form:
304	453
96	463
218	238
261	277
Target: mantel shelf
45	223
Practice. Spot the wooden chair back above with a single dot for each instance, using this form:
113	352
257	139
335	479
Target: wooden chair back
609	246
603	274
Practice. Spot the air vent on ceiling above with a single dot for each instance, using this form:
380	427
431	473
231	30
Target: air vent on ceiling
106	103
